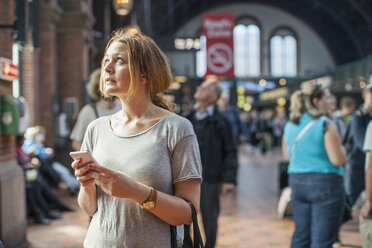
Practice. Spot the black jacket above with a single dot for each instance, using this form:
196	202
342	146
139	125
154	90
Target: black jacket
218	153
355	140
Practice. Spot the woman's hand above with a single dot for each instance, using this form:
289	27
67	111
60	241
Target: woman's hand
366	210
87	196
116	183
49	151
82	174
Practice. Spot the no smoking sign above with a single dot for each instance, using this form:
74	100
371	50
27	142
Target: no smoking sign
220	58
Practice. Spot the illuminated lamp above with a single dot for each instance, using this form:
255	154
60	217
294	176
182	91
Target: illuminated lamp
122	7
281	101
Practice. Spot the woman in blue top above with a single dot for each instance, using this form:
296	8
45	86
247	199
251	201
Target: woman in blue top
313	147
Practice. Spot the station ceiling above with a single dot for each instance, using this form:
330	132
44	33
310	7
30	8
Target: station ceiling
344	25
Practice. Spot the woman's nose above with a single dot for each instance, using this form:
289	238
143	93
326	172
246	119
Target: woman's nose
109	68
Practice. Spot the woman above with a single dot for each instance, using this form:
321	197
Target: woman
148	156
313	147
90	112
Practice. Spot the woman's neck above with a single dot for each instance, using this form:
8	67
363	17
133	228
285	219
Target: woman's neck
137	108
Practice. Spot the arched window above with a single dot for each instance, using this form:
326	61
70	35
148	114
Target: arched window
201	58
283	50
246	50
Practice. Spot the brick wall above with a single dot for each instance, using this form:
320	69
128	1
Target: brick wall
6	17
73	64
12	189
30	82
48	80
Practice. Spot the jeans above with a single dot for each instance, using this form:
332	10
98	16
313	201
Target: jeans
318	204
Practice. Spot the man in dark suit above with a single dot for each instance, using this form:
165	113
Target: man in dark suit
218	155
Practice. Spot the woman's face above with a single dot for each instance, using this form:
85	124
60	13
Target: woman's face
323	101
116	73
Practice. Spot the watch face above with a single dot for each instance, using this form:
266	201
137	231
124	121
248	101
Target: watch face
149	205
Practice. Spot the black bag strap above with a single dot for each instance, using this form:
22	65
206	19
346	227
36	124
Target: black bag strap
198	241
173	230
93	105
346	135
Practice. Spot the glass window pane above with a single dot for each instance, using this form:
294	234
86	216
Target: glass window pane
291	56
253	48
201	58
276	56
239	50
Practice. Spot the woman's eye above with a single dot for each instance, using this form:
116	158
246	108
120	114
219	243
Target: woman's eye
120	59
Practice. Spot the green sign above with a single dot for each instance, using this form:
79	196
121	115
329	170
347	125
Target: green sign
9	115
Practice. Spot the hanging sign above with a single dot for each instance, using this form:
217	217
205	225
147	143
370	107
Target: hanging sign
218	30
8	70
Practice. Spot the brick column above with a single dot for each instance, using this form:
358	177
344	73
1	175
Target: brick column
12	188
31	80
74	41
47	91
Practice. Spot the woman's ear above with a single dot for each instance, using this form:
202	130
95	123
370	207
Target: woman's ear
316	102
143	79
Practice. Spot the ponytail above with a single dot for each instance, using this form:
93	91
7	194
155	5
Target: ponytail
160	101
297	107
302	101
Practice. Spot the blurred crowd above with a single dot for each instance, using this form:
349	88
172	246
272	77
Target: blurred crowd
44	176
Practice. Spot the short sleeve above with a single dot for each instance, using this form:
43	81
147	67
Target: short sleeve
368	138
87	141
326	123
86	116
185	159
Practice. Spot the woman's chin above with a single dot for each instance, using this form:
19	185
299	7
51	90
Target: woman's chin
111	90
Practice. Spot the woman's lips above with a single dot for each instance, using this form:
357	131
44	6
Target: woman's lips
110	81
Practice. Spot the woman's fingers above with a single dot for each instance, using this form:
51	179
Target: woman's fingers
75	164
98	168
100	178
92	173
82	171
87	182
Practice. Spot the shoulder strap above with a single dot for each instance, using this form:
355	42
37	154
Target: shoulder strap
346	135
93	105
299	136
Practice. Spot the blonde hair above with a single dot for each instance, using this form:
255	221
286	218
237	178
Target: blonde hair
302	101
31	132
94	85
144	59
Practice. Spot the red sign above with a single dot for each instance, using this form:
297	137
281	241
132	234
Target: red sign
8	70
218	30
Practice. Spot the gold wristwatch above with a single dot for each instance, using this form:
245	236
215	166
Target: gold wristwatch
150	202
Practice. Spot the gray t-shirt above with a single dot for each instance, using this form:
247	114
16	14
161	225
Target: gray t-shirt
368	142
160	156
86	116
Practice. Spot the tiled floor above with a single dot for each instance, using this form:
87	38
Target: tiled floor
248	217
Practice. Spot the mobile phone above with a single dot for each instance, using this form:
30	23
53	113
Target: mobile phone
85	156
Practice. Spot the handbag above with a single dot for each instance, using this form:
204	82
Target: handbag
198	241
